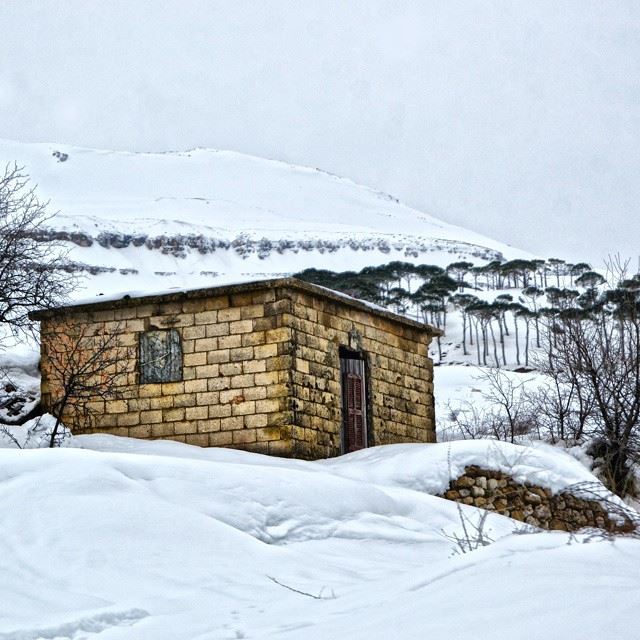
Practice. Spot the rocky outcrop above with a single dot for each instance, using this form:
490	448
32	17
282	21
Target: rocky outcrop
244	245
569	510
80	267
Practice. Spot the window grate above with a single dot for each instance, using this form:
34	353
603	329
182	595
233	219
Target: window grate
160	356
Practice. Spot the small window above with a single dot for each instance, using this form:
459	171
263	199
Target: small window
160	356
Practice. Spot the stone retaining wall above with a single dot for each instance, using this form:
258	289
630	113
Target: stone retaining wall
535	505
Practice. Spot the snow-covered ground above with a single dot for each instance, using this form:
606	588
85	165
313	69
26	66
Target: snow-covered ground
213	215
19	382
465	387
159	221
119	538
153	540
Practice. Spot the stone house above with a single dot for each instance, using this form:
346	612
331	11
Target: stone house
277	366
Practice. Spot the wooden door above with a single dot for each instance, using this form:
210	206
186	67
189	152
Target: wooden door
354	428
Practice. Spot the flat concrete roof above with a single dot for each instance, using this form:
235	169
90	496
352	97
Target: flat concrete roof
119	301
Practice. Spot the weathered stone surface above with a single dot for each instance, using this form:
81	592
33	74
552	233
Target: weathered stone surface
532	498
534	505
220	366
542	512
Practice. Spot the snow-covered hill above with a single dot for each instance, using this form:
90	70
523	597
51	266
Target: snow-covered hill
196	217
123	539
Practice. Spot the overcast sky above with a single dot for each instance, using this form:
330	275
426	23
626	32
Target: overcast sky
517	119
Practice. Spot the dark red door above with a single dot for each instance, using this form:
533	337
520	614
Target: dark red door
354	405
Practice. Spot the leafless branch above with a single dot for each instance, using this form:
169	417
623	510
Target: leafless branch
85	366
31	274
303	593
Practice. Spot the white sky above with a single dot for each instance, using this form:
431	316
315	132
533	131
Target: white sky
517	119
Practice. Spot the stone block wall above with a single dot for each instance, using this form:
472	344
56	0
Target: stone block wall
260	370
399	375
535	505
233	390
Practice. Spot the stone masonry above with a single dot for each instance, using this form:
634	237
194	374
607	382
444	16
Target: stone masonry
260	368
535	505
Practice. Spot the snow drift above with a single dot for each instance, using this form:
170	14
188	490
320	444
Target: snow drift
133	539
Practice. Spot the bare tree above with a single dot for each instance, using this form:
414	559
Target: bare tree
31	273
473	421
84	368
600	356
560	408
507	397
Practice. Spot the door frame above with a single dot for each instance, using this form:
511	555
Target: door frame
346	354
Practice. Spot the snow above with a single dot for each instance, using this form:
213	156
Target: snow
133	539
232	198
19	382
225	192
430	468
34	433
121	538
121	295
138	293
459	387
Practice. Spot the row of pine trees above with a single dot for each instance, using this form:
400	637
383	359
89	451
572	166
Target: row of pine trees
532	297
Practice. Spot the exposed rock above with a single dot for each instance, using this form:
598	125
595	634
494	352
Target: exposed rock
500	503
542	512
532	498
178	245
535	505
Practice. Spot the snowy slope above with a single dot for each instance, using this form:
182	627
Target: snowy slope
124	539
196	216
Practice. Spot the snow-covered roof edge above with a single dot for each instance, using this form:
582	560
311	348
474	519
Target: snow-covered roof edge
138	298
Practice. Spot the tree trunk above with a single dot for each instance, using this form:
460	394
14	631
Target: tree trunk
464	333
485	343
504	357
495	345
503	315
58	414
